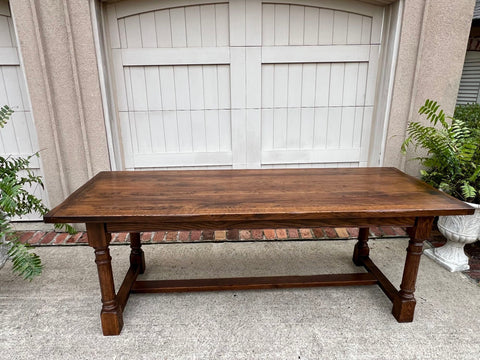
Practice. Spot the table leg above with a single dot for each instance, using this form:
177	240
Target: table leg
137	257
361	247
404	303
111	314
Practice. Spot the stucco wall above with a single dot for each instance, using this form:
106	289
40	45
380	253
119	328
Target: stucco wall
57	44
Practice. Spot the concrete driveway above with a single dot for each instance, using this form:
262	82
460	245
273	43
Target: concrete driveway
57	315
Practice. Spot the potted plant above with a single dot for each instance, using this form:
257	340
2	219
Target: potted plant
15	200
451	161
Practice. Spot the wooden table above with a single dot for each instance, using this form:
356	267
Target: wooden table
249	199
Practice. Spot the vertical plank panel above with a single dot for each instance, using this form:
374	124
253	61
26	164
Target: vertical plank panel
280	97
139	91
147	27
361	84
280	128
308	85
282	26
210	86
293	128
325	27
185	135
22	134
143	132
222	24
294	85
372	75
224	91
357	129
237	75
12	32
182	89
253	23
122	33
5	39
268	25
178	27
171	131
322	84
347	127
237	22
207	20
11	84
350	84
120	81
239	138
212	130
167	86
297	20
366	30
152	83
133	32
163	28
334	127
311	26
253	135
253	71
340	26
126	139
366	128
336	85
225	130
32	131
158	133
194	30
267	129
128	88
354	32
198	131
23	89
267	86
195	79
307	128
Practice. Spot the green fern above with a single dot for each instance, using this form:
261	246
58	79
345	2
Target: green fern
15	200
452	161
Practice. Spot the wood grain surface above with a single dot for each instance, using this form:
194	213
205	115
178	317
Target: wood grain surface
253	195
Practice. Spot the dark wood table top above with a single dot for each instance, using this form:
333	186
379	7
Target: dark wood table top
175	196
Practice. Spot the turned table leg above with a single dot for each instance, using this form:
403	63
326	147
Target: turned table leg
111	314
137	257
361	250
404	302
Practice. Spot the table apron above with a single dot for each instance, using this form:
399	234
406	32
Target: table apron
152	225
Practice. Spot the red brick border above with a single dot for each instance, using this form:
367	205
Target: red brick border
41	238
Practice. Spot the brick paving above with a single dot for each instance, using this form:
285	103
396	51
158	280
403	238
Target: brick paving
51	238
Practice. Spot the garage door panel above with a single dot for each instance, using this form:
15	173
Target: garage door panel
253	79
285	24
179	27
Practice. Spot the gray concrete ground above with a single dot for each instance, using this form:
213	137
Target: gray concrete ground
57	315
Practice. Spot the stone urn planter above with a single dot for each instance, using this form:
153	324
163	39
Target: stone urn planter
458	230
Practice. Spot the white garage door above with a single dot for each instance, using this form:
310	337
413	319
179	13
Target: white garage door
244	83
19	137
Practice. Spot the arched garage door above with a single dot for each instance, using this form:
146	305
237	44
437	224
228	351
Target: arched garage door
245	83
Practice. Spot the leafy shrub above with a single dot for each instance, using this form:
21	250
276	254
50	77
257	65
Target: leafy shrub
452	163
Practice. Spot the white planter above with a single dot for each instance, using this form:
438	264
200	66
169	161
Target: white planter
459	230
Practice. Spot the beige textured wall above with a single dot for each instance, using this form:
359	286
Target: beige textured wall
57	45
432	50
56	42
